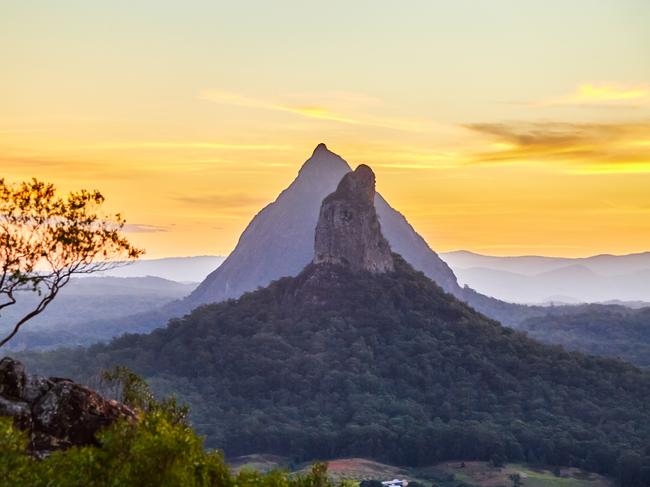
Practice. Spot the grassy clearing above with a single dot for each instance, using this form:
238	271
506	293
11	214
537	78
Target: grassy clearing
484	475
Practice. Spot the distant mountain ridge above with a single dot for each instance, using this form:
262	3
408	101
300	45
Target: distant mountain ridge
86	309
604	264
535	279
608	330
179	269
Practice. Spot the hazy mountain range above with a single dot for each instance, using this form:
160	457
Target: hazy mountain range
82	311
534	279
180	269
609	279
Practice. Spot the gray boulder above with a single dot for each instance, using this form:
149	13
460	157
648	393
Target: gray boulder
56	413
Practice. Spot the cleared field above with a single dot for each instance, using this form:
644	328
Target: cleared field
260	462
484	475
446	474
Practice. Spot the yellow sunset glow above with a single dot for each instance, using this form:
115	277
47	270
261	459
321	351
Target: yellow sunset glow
191	118
611	93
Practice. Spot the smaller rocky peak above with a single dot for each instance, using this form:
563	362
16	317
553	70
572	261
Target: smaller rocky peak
358	185
348	232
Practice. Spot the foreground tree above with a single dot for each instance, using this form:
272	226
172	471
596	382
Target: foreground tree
158	449
155	452
45	239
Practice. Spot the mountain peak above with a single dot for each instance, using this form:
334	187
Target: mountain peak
348	231
323	166
279	240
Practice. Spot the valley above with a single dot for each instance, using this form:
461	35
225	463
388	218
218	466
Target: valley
446	474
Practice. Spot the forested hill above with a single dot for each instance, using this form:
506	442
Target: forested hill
608	330
339	363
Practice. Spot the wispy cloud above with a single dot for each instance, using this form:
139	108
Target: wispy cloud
318	111
221	200
586	147
73	168
144	228
604	94
178	145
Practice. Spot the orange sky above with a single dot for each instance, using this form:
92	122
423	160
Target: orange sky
493	126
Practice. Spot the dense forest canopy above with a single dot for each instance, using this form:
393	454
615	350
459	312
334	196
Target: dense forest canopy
157	450
608	330
334	363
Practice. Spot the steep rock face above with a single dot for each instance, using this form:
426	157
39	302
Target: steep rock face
348	231
58	413
279	241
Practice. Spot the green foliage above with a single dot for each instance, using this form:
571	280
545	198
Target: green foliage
614	331
14	464
335	364
133	390
156	452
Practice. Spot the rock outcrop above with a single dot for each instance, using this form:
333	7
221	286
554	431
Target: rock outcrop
57	413
348	231
279	241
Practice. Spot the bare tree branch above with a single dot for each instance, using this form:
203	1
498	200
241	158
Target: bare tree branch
45	239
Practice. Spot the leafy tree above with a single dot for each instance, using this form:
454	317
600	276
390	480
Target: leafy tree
45	239
155	452
133	390
158	450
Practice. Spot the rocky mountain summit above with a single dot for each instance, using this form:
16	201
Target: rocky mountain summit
348	231
58	413
279	240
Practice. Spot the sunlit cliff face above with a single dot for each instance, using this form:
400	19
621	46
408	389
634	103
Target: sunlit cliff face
499	128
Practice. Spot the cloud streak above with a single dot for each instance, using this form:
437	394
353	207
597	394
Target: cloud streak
220	200
585	147
144	228
179	145
318	111
603	94
73	168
